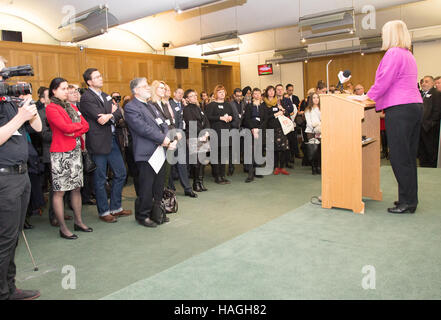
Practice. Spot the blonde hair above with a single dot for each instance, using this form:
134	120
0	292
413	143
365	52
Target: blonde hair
155	85
310	91
395	34
166	97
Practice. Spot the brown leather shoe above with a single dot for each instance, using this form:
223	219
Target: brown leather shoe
123	213
109	219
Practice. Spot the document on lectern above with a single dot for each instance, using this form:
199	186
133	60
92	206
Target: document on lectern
359	98
157	159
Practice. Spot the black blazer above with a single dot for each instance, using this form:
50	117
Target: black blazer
46	134
432	109
99	137
250	122
177	112
193	113
295	100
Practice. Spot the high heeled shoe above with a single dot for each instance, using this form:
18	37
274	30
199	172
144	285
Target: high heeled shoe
72	237
78	228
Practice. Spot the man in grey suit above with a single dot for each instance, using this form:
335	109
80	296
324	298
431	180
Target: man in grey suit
149	130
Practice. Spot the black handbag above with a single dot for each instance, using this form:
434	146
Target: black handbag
88	164
312	151
300	120
169	201
158	212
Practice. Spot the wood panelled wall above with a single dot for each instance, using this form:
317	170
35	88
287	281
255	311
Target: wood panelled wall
117	67
362	69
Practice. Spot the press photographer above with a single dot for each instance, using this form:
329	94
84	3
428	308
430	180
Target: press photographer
17	116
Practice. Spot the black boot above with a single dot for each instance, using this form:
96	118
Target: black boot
201	178
250	175
196	183
230	169
27	224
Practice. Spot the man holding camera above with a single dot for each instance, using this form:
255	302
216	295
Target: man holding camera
15	187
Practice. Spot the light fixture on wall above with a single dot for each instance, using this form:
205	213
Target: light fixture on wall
326	24
94	21
220	43
209	53
180	8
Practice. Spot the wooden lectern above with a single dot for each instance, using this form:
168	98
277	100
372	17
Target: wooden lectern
350	167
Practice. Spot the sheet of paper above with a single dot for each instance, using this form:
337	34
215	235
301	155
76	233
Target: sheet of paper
157	159
358	98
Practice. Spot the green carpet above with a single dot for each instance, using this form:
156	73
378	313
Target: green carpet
249	241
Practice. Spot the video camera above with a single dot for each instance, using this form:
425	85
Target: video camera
12	92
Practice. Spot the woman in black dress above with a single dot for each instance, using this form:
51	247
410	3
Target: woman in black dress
220	115
194	115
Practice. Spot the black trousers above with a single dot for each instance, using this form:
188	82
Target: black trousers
428	149
183	177
250	148
15	191
383	137
150	188
219	168
403	125
293	143
182	171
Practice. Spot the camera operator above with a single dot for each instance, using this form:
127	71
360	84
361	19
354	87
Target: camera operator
15	187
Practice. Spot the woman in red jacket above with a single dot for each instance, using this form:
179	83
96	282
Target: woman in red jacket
67	126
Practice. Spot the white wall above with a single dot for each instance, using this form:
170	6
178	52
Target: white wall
427	56
115	39
284	73
31	33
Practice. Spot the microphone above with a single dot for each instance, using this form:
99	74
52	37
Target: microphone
343	76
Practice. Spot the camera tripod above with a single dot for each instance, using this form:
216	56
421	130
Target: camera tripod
29	250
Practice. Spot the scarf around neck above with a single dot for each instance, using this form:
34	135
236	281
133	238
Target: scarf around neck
270	103
71	112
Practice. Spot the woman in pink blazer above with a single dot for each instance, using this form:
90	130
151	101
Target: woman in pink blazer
396	93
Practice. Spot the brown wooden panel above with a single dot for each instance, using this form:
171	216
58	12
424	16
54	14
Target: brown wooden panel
112	71
117	67
69	67
48	67
362	68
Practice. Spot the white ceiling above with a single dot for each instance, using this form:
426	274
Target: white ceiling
261	24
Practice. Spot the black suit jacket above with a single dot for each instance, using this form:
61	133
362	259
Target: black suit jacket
432	109
99	137
250	122
295	100
178	114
